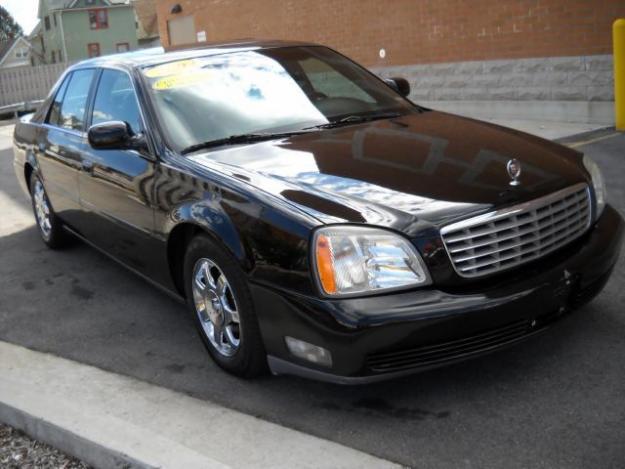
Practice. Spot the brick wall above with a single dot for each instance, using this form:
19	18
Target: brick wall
413	31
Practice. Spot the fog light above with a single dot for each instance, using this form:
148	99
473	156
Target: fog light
309	352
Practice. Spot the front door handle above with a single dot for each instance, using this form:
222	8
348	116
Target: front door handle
87	166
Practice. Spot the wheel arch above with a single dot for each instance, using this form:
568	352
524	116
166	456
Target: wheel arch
30	165
179	238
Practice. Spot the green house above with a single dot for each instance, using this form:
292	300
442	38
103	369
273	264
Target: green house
71	30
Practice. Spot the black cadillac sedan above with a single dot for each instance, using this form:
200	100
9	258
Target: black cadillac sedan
315	221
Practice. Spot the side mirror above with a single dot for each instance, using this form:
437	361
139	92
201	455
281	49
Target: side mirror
400	85
109	135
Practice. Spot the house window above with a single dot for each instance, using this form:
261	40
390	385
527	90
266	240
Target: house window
60	56
46	20
53	59
93	49
21	53
123	47
98	19
54	17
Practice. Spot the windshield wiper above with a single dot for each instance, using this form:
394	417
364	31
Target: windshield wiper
236	139
356	119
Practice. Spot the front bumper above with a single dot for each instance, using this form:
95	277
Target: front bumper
386	336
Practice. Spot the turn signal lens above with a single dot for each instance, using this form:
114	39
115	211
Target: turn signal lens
351	260
325	264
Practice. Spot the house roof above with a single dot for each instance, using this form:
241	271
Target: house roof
59	4
145	11
36	30
68	4
5	46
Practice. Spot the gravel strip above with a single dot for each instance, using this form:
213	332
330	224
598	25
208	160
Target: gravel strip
18	451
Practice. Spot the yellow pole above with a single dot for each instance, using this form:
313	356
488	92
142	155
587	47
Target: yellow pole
618	37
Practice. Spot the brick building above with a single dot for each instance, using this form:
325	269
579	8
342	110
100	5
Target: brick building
535	59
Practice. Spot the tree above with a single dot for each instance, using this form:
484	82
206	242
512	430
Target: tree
8	27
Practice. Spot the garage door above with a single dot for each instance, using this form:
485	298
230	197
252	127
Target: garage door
181	30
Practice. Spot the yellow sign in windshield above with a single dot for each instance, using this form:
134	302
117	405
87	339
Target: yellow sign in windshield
178	81
172	68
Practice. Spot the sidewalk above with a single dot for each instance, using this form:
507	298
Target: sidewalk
109	420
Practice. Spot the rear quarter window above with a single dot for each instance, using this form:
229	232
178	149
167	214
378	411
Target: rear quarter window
55	108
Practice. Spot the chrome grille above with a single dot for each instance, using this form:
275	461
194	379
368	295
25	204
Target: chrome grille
503	239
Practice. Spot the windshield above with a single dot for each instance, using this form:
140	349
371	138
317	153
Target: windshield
287	89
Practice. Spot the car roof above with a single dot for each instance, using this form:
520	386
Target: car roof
156	55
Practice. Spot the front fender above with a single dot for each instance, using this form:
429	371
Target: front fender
211	218
268	238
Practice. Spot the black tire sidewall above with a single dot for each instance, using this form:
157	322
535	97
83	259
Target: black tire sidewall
250	358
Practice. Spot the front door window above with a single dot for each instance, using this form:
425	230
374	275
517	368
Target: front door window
115	100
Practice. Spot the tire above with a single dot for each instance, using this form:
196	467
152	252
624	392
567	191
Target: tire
221	304
49	224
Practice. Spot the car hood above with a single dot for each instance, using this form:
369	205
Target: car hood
428	167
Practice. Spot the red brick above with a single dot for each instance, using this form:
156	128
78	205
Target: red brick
413	31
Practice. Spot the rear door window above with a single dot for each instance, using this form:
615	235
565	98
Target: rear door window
72	108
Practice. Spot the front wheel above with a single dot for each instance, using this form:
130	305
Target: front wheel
49	225
219	299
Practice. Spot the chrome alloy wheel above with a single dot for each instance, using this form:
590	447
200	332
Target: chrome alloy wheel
42	209
216	307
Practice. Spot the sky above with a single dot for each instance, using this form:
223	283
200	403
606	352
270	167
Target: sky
23	11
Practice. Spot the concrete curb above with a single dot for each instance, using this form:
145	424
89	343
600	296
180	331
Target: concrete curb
113	421
66	441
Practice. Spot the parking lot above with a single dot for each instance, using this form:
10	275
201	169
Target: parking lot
554	401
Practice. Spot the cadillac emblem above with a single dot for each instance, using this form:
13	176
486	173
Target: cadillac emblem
514	171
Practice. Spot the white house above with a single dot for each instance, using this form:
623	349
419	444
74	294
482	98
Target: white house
15	52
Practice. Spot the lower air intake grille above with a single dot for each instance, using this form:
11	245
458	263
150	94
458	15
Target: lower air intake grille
438	354
500	240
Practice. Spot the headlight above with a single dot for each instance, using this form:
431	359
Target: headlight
597	183
350	260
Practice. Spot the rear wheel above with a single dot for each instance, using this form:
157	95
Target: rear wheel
220	301
49	225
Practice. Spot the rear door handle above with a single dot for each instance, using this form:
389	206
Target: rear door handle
87	166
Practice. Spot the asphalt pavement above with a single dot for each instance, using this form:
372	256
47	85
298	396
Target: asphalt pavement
557	400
